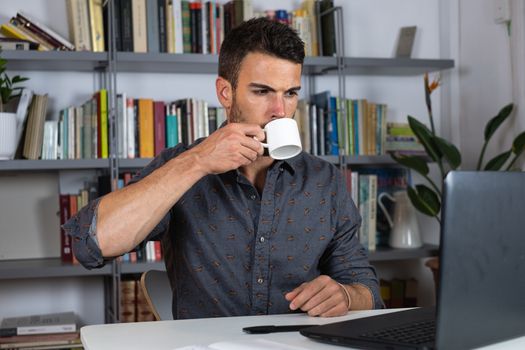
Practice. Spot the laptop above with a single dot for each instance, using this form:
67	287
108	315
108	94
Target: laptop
481	296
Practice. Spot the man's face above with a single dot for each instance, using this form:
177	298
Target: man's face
267	88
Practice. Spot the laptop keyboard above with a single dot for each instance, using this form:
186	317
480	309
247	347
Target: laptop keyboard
413	333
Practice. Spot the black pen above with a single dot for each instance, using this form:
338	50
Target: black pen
274	329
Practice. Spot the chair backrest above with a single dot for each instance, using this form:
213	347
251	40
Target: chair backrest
156	287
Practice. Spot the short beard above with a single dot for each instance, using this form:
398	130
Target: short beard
235	113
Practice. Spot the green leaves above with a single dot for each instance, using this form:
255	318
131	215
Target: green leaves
424	199
497	162
496	122
425	136
412	162
518	145
450	152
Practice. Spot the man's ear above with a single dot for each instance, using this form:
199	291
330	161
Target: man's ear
224	92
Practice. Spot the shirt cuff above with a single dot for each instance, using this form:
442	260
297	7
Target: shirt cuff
82	229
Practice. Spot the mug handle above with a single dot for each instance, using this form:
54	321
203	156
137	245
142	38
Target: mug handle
265	145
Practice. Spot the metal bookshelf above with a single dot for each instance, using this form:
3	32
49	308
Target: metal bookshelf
207	64
49	267
109	65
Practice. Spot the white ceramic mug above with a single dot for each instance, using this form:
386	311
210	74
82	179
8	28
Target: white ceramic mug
7	135
282	138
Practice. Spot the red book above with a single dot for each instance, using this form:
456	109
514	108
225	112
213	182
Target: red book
159	110
158	251
65	241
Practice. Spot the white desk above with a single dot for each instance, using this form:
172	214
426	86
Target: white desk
168	335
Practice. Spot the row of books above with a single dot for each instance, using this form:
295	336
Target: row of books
182	26
322	125
44	331
365	185
399	292
133	304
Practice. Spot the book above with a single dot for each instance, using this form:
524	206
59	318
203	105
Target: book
140	36
62	42
63	322
40	340
78	22
35	127
17	44
96	25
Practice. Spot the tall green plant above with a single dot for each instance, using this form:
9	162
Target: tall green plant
9	87
428	198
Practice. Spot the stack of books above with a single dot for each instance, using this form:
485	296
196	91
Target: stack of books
46	331
26	33
401	139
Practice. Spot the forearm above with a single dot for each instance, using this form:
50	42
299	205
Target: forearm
125	217
360	297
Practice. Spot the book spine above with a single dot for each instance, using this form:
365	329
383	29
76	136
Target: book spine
65	241
126	25
163	35
146	128
160	126
152	24
96	25
60	39
140	37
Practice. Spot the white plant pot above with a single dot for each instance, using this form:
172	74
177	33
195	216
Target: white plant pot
7	135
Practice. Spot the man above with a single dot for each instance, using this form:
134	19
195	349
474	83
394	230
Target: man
243	234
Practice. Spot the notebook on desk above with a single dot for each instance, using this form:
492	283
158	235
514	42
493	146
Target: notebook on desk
481	296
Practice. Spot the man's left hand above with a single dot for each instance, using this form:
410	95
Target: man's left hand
320	297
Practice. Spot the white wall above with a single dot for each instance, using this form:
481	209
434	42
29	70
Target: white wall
471	94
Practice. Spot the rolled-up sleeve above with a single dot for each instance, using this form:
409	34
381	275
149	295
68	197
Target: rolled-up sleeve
346	260
82	229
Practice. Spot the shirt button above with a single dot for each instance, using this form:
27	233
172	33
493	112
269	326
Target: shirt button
281	169
253	197
261	239
260	281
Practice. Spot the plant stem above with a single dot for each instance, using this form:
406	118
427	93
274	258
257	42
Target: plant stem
434	185
512	162
478	167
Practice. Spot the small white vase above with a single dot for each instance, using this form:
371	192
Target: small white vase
7	135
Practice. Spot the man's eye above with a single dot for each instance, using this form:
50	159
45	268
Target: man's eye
291	93
260	92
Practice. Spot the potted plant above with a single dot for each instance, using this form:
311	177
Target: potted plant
428	198
10	89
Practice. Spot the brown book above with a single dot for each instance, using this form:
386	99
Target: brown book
35	127
144	312
411	292
128	300
18	341
38	32
160	126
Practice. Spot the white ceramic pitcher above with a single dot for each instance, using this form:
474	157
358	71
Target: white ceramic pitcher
404	228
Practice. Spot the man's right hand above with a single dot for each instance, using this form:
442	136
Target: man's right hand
230	147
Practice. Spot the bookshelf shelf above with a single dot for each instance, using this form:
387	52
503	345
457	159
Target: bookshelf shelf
383	160
140	267
207	64
390	254
55	60
48	267
60	164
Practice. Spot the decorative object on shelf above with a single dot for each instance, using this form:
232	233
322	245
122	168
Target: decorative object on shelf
447	157
9	90
405	229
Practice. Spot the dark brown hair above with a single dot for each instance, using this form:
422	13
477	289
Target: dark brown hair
258	35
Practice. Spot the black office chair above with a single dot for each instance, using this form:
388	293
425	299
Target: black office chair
156	287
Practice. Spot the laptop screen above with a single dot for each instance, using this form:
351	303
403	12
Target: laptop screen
482	283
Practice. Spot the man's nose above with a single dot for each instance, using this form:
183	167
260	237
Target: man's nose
278	107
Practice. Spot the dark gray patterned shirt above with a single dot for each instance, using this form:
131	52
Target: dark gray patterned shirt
231	251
